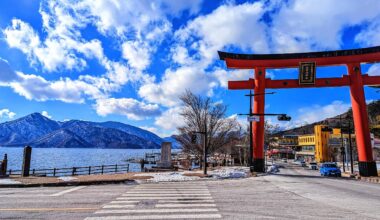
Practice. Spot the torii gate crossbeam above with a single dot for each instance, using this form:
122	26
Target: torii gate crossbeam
355	80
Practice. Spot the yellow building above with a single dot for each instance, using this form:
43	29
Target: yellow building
307	147
322	145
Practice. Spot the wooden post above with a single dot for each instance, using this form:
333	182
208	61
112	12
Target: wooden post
26	161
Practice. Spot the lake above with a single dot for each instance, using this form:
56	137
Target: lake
43	158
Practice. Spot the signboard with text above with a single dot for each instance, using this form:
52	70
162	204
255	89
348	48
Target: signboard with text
306	73
253	118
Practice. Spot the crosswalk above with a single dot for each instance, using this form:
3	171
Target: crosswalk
161	201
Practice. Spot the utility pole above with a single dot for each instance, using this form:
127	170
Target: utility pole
342	150
351	156
205	149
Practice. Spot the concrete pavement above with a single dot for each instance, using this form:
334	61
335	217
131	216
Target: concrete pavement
294	193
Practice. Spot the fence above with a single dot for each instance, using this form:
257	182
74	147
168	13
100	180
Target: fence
73	171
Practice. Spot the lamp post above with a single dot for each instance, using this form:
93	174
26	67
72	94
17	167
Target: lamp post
194	139
349	119
250	95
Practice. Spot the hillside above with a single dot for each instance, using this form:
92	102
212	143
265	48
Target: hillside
39	131
373	109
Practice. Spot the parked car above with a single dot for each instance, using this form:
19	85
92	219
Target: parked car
330	169
284	160
313	166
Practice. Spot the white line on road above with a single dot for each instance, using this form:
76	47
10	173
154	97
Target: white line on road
183	205
151	198
125	202
118	206
184	188
187	201
68	191
133	211
138	217
170	194
171	190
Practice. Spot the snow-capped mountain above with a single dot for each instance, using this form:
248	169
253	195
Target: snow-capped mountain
39	131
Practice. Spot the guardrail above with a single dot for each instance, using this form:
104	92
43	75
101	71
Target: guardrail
74	171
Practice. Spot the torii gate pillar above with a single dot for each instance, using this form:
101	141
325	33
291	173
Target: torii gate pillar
258	126
367	166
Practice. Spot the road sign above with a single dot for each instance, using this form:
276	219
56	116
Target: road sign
253	118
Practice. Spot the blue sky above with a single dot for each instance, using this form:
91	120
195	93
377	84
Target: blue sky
129	60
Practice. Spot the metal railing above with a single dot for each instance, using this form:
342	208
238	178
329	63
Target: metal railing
74	171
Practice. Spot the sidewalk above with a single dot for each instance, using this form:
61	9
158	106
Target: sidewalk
34	181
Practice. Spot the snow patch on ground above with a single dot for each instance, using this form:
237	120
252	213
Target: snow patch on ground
67	178
223	173
9	181
168	177
230	173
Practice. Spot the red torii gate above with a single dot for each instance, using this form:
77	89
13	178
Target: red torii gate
355	80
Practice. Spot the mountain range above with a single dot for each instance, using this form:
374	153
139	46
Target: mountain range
39	131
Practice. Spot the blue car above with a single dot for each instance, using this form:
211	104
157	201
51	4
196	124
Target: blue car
330	169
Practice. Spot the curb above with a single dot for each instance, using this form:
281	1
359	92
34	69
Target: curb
369	179
68	183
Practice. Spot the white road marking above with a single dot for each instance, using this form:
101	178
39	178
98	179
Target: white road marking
118	206
171	187
168	191
133	211
164	201
125	202
187	201
68	191
151	198
183	205
138	217
170	194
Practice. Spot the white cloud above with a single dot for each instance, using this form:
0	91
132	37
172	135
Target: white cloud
6	113
58	51
317	24
223	76
34	87
374	70
131	108
137	54
370	36
46	114
174	83
311	114
229	25
170	119
317	112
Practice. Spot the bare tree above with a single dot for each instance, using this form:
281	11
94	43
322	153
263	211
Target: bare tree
198	112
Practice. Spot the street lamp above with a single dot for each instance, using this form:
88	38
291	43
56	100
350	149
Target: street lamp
250	95
194	140
343	152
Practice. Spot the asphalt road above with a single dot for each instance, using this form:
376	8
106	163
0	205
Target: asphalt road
293	193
